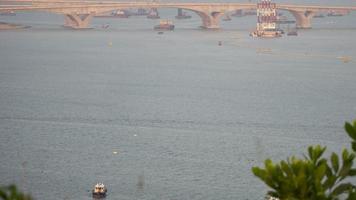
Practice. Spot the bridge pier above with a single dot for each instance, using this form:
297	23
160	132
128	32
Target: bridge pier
78	21
210	20
303	18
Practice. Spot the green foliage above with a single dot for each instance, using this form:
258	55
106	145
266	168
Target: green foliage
312	177
351	131
11	193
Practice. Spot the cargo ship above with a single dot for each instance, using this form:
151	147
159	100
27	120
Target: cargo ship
164	25
266	21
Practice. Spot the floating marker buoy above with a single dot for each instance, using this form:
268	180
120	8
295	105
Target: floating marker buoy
114	152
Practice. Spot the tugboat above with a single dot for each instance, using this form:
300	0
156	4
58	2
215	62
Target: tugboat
153	14
99	191
164	25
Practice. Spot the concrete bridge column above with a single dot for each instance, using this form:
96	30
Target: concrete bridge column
303	18
210	20
78	21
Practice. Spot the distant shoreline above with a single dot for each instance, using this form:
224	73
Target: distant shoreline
9	26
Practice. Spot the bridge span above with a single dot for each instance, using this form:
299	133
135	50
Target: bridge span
78	14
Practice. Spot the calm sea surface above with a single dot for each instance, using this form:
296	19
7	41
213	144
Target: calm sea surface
188	118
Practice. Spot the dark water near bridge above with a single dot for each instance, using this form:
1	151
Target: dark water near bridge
187	118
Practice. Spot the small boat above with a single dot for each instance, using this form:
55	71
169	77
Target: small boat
153	14
99	191
249	12
165	25
227	18
182	15
8	13
140	12
335	13
292	33
120	14
237	13
320	15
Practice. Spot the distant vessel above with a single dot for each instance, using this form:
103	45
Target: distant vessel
266	21
182	15
140	12
237	13
335	13
115	13
284	20
319	15
8	13
164	25
227	18
292	33
120	14
153	14
99	191
249	12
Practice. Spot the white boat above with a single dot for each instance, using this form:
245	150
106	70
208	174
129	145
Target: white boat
99	191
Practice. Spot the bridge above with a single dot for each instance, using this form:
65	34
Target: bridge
78	13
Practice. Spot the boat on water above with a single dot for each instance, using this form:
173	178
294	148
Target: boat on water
237	13
292	33
319	15
335	13
120	14
182	15
140	12
272	33
164	25
99	190
153	14
227	18
8	13
266	21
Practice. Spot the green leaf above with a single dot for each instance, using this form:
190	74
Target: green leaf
342	188
330	182
335	162
351	131
352	172
353	144
320	172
